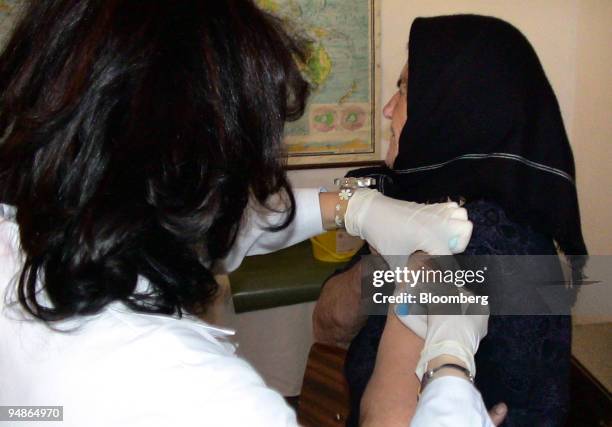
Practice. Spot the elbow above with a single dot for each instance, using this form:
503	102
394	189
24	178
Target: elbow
322	326
336	317
330	327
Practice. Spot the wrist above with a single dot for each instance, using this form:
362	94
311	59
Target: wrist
345	216
444	366
328	202
348	187
359	212
438	349
438	361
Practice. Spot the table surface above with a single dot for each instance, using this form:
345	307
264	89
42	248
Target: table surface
286	277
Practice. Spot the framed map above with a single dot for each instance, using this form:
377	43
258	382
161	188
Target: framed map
341	125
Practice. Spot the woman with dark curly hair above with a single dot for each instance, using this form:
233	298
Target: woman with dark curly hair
141	152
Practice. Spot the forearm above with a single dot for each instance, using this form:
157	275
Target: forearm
391	395
255	238
337	316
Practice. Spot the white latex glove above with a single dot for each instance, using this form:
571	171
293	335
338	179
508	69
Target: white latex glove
452	335
451	402
396	227
448	329
457	335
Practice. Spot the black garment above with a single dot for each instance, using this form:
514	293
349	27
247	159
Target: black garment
484	125
484	122
523	361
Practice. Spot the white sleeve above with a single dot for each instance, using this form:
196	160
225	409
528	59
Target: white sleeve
254	239
451	401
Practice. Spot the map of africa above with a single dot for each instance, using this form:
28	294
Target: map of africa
338	124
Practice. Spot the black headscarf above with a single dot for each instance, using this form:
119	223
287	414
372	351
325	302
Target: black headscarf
484	123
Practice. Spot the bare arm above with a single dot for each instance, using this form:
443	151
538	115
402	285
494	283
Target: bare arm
390	398
391	395
337	316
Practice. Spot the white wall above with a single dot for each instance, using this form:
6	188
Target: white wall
591	133
572	39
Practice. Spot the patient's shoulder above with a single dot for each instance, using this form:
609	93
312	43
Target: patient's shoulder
495	232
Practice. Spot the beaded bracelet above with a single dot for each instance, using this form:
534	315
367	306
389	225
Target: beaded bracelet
347	187
344	195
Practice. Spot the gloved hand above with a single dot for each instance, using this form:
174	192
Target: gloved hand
448	329
396	229
452	335
456	335
399	228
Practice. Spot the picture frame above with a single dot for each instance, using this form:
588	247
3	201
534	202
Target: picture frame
342	129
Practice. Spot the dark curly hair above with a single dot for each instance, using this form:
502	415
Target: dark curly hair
133	135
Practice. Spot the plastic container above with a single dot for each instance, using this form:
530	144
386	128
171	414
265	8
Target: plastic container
335	246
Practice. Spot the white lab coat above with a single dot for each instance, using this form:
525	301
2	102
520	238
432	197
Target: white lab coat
121	368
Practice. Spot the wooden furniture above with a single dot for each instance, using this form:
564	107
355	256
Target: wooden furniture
324	401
